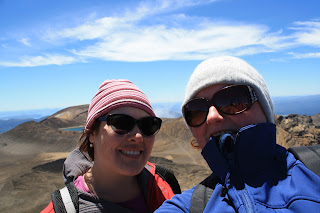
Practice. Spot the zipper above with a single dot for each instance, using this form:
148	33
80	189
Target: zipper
244	195
224	190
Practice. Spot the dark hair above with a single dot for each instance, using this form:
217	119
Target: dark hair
84	139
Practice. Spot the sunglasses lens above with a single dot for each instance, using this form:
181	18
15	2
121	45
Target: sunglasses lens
121	124
149	125
196	112
232	100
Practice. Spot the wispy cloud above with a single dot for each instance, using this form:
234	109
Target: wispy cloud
40	61
157	30
157	7
304	55
4	46
308	32
139	43
25	41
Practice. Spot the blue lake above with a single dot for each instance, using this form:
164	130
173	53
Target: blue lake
76	129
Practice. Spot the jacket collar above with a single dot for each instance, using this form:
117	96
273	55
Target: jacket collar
254	156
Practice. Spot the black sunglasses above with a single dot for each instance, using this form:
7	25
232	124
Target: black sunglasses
123	124
230	100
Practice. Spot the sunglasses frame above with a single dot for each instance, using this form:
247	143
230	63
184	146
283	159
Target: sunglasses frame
211	102
137	122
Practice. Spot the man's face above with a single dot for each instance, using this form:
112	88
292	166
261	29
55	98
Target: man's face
217	123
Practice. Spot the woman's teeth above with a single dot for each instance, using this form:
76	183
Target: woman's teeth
131	152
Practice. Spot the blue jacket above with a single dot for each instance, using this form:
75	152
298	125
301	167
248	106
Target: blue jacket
255	175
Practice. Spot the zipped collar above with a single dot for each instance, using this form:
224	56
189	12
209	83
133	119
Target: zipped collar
254	156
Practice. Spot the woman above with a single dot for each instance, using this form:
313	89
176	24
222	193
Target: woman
119	135
228	109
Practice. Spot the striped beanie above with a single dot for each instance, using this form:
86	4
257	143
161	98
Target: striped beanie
229	70
113	94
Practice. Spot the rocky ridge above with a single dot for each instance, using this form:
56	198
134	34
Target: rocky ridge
298	130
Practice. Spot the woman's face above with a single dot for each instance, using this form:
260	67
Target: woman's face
217	123
122	154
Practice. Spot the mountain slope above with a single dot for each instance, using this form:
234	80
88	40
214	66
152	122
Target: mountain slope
31	155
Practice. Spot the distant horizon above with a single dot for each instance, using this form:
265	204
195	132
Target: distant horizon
283	105
152	103
174	107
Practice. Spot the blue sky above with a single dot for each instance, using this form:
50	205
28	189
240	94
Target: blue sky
57	53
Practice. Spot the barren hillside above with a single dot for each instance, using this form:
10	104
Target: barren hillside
31	155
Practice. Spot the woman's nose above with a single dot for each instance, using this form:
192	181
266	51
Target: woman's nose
213	116
135	135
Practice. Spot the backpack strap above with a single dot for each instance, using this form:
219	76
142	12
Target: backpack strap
66	199
168	176
202	193
309	156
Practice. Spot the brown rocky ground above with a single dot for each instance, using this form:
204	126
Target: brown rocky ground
298	130
31	155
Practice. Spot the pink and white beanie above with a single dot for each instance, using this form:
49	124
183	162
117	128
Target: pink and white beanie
113	94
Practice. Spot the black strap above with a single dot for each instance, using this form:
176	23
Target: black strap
309	156
168	176
202	193
58	203
74	195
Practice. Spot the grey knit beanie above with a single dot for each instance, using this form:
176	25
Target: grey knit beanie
229	70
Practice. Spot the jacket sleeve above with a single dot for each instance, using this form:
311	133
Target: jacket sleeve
48	209
178	203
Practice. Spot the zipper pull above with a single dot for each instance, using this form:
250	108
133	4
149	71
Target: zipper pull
224	190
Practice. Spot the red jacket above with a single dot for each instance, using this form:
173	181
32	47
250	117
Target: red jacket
155	189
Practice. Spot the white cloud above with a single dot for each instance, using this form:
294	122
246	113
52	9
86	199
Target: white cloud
127	38
25	41
308	33
155	31
160	42
104	27
96	29
118	39
304	55
4	46
40	61
156	7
